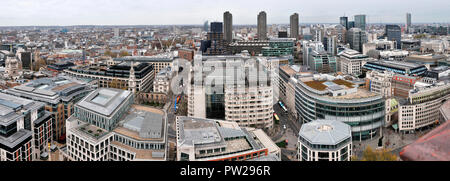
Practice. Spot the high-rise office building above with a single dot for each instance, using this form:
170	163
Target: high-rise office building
294	26
344	22
206	26
215	44
408	22
262	25
356	38
394	33
360	22
228	27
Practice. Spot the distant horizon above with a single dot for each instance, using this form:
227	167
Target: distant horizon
195	12
201	25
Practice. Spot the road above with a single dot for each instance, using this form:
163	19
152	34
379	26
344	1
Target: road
287	120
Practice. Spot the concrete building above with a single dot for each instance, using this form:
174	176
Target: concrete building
394	33
422	106
262	26
228	27
214	140
408	23
159	62
136	77
398	67
25	129
330	98
325	140
344	22
59	94
107	126
215	43
351	62
279	47
381	83
322	62
445	112
245	98
356	38
360	22
294	25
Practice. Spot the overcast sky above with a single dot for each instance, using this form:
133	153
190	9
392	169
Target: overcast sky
167	12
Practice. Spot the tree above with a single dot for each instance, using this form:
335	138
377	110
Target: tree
376	155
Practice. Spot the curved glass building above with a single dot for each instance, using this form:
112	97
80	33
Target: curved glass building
335	99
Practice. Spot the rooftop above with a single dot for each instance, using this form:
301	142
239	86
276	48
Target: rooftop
51	90
325	132
104	101
430	147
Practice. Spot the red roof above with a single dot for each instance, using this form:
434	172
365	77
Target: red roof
434	146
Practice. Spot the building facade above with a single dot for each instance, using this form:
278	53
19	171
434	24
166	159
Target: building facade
325	140
422	107
59	95
325	97
262	26
107	126
214	140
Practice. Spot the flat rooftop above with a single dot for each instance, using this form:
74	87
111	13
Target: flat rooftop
10	105
207	133
396	64
104	101
433	146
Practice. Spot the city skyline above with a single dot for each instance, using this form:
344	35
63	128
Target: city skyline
140	12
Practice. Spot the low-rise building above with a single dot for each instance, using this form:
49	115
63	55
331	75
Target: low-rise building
59	95
421	109
351	62
163	80
107	126
333	98
325	140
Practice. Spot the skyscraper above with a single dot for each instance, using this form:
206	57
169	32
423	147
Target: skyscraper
394	33
408	22
344	22
228	27
360	22
294	26
262	25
